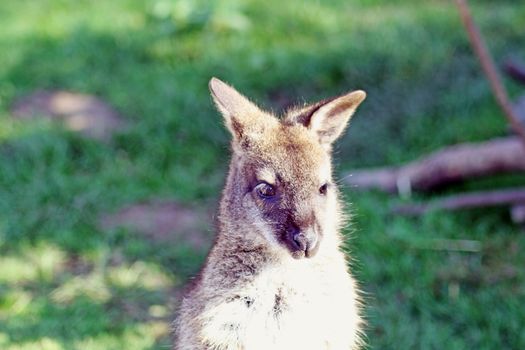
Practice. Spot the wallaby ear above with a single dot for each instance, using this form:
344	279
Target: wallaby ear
242	117
329	118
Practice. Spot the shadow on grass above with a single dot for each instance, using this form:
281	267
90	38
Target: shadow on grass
103	306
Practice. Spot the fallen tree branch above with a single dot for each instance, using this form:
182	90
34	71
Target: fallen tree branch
489	68
449	165
469	200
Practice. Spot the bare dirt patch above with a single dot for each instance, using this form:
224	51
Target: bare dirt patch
165	221
86	114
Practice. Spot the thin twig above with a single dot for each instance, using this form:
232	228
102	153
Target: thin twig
469	200
451	245
489	68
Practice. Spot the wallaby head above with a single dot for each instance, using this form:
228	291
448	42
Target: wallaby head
279	189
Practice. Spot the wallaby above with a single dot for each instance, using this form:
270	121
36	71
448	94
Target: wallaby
276	277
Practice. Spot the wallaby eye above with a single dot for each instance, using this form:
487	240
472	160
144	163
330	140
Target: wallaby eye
323	189
265	190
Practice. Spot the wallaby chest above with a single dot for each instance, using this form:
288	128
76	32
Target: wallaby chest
283	307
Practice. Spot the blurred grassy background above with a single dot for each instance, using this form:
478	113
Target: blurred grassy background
65	283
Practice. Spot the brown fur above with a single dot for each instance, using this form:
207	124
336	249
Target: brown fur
276	277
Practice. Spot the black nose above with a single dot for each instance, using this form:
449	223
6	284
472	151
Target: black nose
302	240
307	242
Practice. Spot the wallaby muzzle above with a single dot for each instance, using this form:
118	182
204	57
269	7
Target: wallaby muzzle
302	243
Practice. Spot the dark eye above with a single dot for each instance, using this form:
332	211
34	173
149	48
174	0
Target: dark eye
323	189
265	190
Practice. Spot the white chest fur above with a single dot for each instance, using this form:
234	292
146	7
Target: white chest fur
296	305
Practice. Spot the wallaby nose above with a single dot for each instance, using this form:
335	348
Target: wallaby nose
303	240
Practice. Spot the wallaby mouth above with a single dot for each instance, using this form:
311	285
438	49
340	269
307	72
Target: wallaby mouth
302	244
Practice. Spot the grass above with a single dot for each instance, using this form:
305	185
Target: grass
68	284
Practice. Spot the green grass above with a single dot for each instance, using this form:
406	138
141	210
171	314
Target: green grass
67	284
